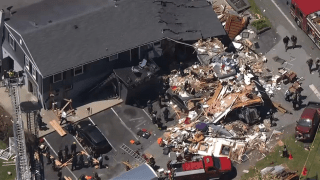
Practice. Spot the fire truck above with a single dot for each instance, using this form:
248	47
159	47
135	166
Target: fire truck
205	168
306	13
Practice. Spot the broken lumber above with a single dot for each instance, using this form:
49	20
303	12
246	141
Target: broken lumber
57	127
215	96
127	164
279	107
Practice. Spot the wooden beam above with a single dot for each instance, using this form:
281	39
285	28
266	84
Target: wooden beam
57	127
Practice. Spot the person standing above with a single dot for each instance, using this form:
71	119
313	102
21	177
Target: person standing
160	101
154	117
286	41
54	167
60	156
48	157
66	152
294	41
166	114
294	100
81	161
150	107
73	148
285	152
74	162
39	121
63	117
310	63
100	159
90	160
70	128
60	174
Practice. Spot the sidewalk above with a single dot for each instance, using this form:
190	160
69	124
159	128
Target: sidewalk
48	115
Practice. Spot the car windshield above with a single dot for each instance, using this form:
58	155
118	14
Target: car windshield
217	162
305	122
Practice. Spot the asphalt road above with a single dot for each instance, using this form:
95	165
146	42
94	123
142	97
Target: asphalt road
119	125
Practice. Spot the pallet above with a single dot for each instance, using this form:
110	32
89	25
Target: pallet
57	127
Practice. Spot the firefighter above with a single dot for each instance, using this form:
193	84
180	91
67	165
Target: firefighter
63	117
152	162
294	41
60	174
48	157
181	69
81	161
73	148
150	107
310	63
286	41
54	167
74	162
66	152
154	117
96	176
60	156
285	152
166	114
70	128
160	101
159	123
39	121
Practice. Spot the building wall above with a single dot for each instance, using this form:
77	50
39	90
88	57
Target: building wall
93	74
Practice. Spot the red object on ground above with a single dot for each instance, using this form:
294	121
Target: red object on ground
174	88
132	141
187	121
192	166
290	156
41	140
159	141
225	164
307	6
304	171
144	130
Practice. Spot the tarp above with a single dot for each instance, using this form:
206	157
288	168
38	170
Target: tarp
142	172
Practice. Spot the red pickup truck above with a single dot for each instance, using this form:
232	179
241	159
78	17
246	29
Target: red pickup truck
308	123
208	167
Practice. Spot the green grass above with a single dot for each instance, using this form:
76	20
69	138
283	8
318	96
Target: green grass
263	21
299	157
4	169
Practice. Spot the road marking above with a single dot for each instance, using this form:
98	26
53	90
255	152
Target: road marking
315	90
57	155
102	134
135	119
147	114
141	123
124	124
284	14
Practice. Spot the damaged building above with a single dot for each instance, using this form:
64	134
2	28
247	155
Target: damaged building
69	49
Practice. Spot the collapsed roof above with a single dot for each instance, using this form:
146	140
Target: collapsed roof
61	35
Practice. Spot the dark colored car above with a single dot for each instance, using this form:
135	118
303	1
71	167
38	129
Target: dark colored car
308	123
91	137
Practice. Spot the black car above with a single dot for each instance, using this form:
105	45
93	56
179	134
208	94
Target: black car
91	137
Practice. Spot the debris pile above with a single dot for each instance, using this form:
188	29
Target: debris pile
217	103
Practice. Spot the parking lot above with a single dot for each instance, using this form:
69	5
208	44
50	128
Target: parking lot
119	125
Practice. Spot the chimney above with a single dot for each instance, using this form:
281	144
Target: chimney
1	32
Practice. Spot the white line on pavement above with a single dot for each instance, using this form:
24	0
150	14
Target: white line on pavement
315	90
102	134
124	124
135	119
57	155
284	15
141	123
146	113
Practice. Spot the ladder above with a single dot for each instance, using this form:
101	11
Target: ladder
22	165
32	123
132	153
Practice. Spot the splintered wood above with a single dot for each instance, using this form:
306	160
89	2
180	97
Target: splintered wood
279	107
57	127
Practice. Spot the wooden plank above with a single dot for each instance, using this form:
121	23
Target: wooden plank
247	103
57	127
215	96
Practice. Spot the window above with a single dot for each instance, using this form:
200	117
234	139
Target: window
114	57
26	62
78	70
57	77
68	87
34	72
11	41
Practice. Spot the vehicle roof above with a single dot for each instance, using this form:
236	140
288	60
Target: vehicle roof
188	166
307	6
208	161
92	131
308	113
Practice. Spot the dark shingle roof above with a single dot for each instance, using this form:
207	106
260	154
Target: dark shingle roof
59	46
